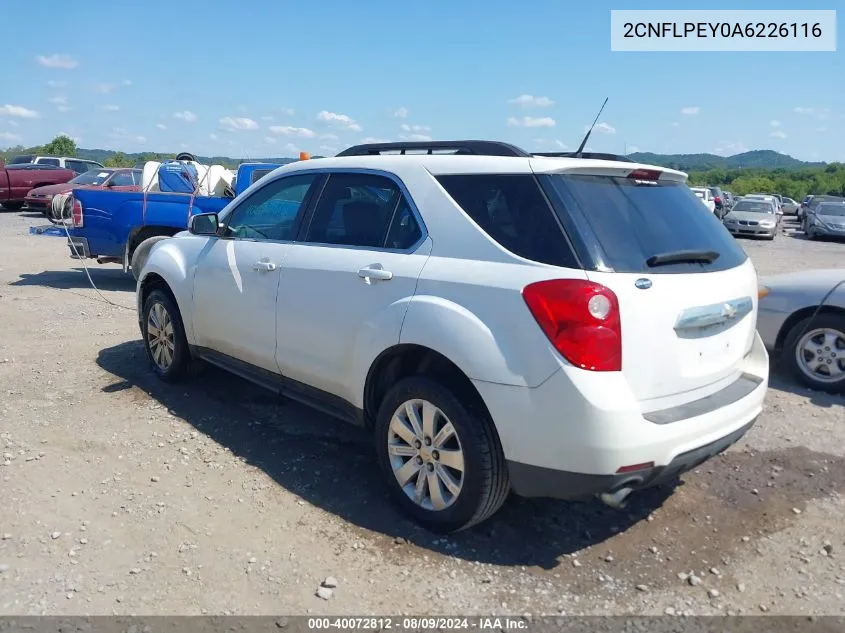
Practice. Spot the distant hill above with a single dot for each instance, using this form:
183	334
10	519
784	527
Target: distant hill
101	155
757	159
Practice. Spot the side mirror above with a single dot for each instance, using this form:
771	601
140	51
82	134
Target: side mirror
203	224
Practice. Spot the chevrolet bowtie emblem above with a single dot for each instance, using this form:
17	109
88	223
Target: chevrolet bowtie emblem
729	311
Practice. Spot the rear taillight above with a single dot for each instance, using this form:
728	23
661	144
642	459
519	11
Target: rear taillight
718	200
77	214
581	319
647	175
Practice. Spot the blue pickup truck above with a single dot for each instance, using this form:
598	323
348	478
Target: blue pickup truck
121	227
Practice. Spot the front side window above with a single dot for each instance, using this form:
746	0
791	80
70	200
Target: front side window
122	179
355	210
49	161
272	212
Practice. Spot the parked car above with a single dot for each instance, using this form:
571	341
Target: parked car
769	198
41	198
802	322
826	220
17	180
472	320
802	209
790	206
78	165
121	226
811	207
706	196
753	218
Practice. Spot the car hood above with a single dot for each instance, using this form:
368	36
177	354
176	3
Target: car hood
750	215
819	279
52	190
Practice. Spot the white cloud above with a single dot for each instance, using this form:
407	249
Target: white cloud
775	123
72	136
419	129
269	140
415	137
56	84
778	134
601	126
329	137
633	149
63	108
530	101
328	149
120	134
12	123
111	108
339	120
58	100
237	124
8	136
57	60
126	82
729	148
528	121
18	111
287	130
213	137
401	113
287	111
690	110
675	124
185	115
290	148
817	112
105	88
372	139
161	126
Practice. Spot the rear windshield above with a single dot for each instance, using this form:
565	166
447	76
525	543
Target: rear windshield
21	160
92	177
753	206
632	221
832	208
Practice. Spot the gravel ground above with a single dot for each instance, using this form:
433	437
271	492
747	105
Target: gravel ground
122	495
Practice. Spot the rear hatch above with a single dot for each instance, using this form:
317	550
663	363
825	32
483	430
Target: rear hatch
687	291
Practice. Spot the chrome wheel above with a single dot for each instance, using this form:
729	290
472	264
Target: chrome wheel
425	455
160	336
820	355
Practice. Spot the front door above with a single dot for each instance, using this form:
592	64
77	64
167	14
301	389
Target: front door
237	275
346	286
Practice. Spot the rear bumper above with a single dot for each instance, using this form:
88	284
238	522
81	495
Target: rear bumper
78	247
584	426
37	204
536	481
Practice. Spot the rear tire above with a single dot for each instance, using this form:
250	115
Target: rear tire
797	354
164	337
449	435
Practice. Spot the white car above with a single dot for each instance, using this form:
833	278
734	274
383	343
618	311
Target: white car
79	165
559	327
706	196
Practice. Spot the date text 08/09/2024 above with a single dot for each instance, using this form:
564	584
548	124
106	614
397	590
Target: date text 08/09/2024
418	623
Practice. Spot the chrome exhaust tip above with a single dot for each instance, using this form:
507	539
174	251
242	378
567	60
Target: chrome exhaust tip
615	499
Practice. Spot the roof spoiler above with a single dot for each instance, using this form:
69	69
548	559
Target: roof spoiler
591	155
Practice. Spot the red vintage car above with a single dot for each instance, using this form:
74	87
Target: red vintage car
16	180
41	198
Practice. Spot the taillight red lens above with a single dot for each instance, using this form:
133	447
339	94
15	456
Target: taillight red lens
77	214
718	200
645	174
581	319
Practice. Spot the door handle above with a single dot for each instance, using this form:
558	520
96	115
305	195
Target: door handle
375	271
264	266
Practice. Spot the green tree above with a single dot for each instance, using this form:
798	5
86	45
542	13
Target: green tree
119	159
62	145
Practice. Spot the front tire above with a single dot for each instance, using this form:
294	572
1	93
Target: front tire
440	455
164	337
814	352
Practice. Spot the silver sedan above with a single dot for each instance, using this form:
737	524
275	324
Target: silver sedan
801	320
753	218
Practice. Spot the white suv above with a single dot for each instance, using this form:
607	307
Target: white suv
559	327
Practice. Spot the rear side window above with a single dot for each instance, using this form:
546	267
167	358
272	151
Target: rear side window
78	166
49	161
512	210
632	221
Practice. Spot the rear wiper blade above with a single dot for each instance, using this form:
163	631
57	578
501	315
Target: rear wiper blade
682	257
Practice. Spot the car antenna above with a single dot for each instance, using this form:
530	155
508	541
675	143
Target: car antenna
580	151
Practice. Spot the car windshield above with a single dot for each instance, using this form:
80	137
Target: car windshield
837	208
700	194
92	177
753	206
634	222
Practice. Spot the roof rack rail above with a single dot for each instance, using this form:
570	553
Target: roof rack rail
592	155
476	148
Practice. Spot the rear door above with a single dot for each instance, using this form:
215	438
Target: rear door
687	325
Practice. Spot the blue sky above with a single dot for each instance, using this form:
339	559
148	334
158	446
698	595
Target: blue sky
271	78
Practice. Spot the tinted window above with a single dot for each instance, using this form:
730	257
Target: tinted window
122	179
77	166
92	178
828	208
49	161
354	210
271	212
754	206
512	210
404	231
632	221
22	160
258	174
